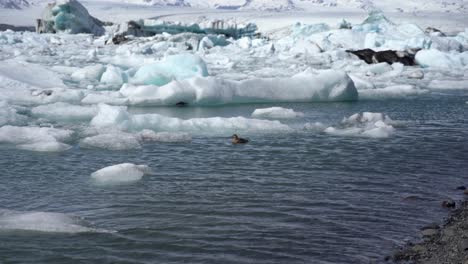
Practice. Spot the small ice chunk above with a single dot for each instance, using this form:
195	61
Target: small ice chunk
121	173
416	74
276	113
113	76
92	72
366	124
391	92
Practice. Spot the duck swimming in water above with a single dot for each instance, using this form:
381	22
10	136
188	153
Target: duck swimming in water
237	140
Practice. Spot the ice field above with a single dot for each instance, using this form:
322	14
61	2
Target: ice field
121	153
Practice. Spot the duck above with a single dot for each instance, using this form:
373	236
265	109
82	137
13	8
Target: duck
237	140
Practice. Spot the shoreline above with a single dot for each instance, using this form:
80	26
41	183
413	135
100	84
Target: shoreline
445	243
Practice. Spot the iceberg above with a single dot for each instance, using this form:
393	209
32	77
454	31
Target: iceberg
321	86
276	113
175	67
68	16
120	173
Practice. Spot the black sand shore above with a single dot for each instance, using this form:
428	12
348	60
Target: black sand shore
446	244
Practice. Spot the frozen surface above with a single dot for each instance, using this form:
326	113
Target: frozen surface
121	173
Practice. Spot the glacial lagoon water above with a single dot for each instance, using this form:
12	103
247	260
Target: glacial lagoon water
302	197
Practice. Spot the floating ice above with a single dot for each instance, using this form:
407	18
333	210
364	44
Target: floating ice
91	72
175	67
64	112
366	124
448	84
391	92
324	86
440	59
36	138
113	76
42	222
118	117
33	75
276	113
150	135
9	115
112	141
121	173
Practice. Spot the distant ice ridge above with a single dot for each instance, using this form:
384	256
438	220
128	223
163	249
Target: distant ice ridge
320	86
118	117
42	139
121	173
14	4
276	113
366	124
43	222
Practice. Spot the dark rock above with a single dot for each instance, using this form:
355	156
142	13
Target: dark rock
430	30
449	203
429	232
461	188
119	39
388	56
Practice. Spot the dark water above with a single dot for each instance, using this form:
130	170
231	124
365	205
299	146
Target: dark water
304	197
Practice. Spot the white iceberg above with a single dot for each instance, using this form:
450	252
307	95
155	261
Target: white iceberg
121	173
323	86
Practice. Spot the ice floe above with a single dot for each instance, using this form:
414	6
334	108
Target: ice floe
121	173
276	113
43	139
118	117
